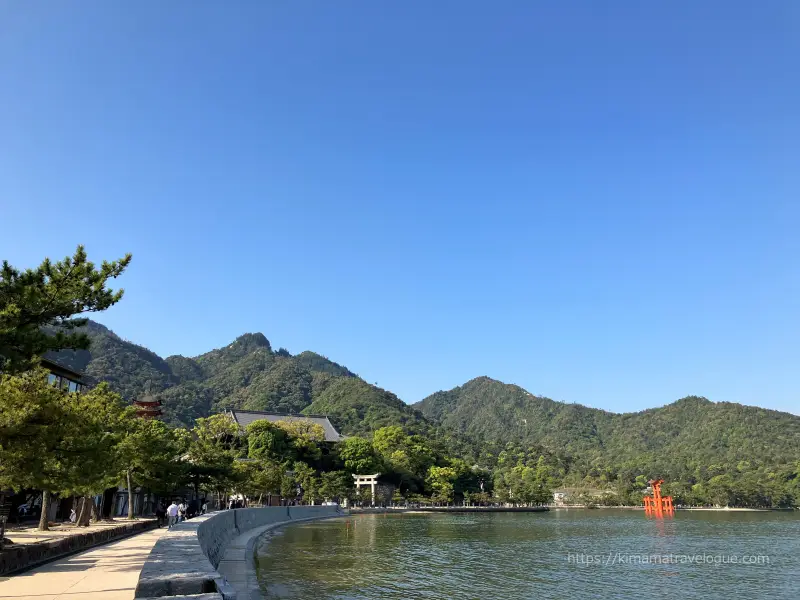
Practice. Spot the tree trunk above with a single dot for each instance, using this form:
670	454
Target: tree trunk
95	513
79	512
130	496
109	497
87	510
45	507
83	513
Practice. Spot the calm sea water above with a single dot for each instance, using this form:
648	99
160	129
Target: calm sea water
560	554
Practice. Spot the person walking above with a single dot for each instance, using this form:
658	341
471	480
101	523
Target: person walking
172	514
192	509
182	511
161	514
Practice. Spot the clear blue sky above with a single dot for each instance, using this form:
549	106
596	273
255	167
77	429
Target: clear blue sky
598	203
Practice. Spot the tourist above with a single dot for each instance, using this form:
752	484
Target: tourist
72	516
172	514
161	514
181	511
203	506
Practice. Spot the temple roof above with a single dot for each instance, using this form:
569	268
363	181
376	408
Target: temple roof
244	417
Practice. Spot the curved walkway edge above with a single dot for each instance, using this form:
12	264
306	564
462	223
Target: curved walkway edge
209	554
238	567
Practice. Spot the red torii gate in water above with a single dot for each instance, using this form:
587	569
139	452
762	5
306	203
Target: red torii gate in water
658	505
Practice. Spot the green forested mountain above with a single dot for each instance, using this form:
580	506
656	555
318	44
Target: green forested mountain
682	440
744	451
247	374
490	410
362	408
125	365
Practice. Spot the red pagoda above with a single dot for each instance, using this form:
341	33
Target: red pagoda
148	406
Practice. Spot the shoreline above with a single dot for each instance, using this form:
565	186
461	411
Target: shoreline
450	509
540	509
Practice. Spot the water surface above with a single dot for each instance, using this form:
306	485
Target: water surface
560	554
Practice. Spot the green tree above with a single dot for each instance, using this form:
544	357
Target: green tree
55	441
97	423
407	456
306	439
33	419
387	440
36	301
719	490
213	446
440	480
308	480
358	456
336	485
288	486
149	455
268	478
266	440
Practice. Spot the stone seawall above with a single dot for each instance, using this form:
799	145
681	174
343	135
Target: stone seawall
185	560
16	558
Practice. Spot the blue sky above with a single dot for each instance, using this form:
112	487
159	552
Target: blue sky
598	203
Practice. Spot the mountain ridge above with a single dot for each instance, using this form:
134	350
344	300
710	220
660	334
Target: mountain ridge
483	417
246	373
689	431
685	399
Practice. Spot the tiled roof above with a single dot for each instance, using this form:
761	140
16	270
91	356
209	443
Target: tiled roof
244	417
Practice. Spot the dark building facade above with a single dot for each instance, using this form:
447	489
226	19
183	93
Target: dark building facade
63	377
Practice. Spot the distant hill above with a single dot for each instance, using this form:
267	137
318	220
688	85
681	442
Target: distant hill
688	434
689	439
247	374
363	408
125	365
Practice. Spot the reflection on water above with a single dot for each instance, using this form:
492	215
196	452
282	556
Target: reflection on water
560	554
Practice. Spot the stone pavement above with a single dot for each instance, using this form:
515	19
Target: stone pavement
108	572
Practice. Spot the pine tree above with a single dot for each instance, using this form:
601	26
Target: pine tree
57	442
37	306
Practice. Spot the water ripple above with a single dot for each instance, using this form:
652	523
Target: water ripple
510	556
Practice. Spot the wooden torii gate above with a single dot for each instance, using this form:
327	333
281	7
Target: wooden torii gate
656	504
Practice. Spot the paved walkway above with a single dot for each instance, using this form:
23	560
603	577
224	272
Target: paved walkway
107	572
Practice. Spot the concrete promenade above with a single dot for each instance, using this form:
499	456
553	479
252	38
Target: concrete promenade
198	556
108	572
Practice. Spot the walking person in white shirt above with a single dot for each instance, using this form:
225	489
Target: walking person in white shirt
172	514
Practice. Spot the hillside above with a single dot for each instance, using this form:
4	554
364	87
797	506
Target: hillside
678	438
247	373
491	410
362	408
483	420
125	365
